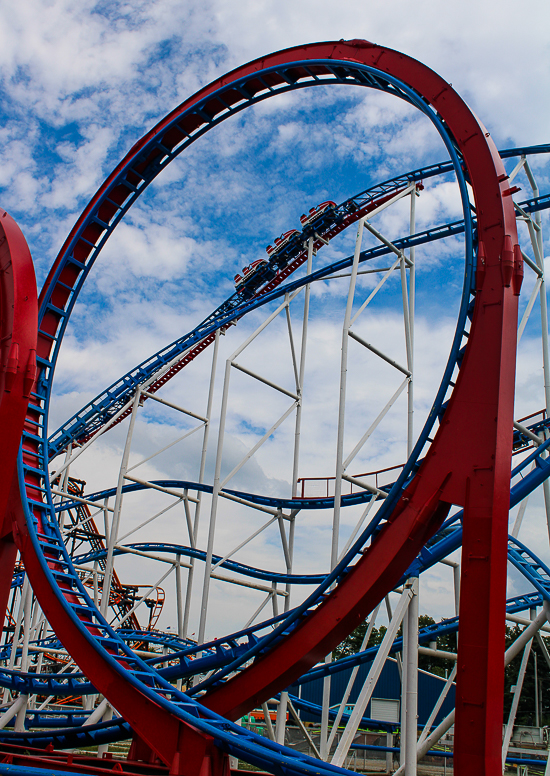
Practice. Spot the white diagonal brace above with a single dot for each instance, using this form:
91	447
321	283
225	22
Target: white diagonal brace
379	353
370	682
513	650
263	380
258	444
352	679
374	425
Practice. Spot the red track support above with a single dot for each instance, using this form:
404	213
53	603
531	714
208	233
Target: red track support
480	675
18	328
481	403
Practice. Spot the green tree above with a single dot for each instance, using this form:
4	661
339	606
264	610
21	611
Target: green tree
442	667
526	708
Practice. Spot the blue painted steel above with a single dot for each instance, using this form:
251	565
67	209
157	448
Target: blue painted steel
77	737
315	710
440	753
27	770
190	552
227	649
254	498
95	415
72	684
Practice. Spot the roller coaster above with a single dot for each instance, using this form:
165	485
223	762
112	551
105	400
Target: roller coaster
81	666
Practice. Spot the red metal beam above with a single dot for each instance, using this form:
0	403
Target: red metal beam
482	401
18	328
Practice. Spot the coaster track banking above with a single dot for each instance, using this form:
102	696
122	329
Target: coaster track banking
105	409
419	499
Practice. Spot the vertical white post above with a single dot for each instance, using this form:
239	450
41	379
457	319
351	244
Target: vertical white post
515	701
323	740
108	715
115	522
64	483
281	719
411	689
408	346
340	463
342	399
214	507
178	596
17	632
24	699
412	290
456	580
404	671
288	586
300	386
537	709
389	755
201	479
538	250
96	586
26	629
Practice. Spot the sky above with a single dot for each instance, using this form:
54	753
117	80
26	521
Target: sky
80	83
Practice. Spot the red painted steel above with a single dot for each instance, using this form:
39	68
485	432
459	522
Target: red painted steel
482	400
18	324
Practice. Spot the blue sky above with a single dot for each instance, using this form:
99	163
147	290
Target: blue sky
81	82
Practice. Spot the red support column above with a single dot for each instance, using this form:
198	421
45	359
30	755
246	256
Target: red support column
18	331
480	675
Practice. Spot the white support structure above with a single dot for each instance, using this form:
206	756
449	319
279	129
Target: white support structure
342	398
409	695
370	682
515	700
425	744
202	467
115	522
280	725
351	681
219	483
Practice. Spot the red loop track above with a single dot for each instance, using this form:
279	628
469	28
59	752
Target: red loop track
482	400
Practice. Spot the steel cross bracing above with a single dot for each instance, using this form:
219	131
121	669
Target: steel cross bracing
527	484
220	655
162	366
105	411
52	523
533	568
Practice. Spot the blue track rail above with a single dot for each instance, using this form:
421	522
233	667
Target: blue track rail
226	650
